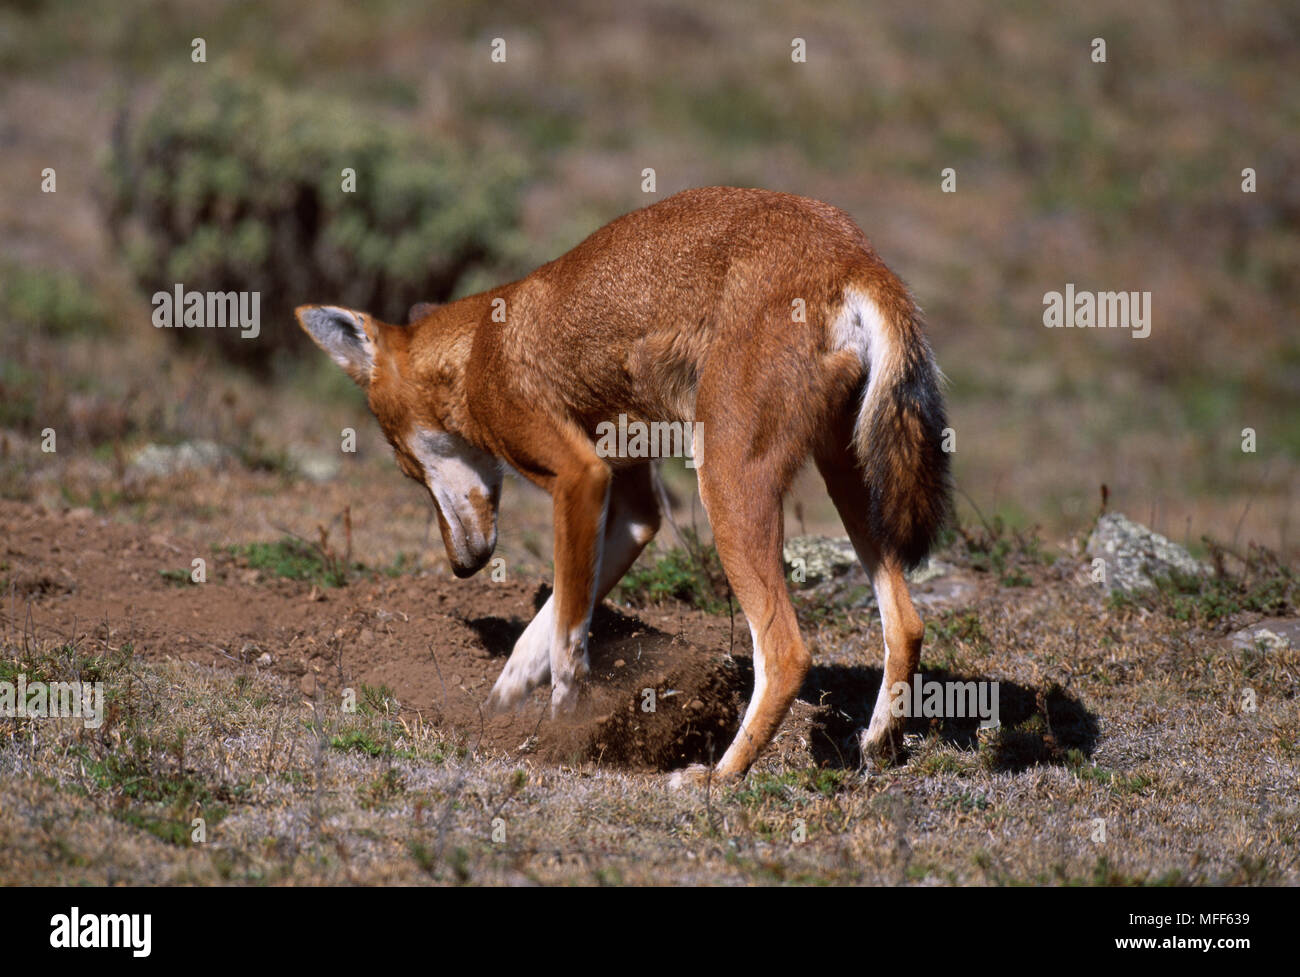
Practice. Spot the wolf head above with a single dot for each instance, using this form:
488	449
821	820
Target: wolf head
464	482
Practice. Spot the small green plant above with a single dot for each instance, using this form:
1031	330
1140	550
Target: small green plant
1264	585
996	549
965	802
693	576
177	578
385	787
1015	577
358	740
156	791
422	855
296	559
19	394
402	564
954	629
379	743
68	662
1121	600
790	788
938	762
377	700
816	610
1120	783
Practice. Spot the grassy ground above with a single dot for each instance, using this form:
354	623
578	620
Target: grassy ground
1137	746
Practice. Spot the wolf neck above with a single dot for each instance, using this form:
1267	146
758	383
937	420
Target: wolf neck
439	362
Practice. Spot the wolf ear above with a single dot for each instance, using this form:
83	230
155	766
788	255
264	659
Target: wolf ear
421	309
341	333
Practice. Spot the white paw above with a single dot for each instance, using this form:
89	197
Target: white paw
529	664
568	669
882	741
564	699
511	688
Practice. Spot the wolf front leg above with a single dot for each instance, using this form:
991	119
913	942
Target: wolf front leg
631	521
581	499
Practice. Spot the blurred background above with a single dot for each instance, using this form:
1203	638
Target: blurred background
226	174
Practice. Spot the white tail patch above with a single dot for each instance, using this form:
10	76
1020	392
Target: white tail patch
860	326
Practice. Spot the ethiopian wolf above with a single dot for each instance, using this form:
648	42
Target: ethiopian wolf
763	321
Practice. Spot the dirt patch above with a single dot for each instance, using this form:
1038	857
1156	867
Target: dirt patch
654	700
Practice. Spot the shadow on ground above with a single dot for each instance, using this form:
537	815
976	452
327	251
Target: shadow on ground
1038	725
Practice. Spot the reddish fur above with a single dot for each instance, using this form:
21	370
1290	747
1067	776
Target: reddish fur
682	311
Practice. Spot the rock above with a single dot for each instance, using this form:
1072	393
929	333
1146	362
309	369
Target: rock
1135	555
316	466
949	589
265	659
931	569
823	557
162	460
1272	634
827	557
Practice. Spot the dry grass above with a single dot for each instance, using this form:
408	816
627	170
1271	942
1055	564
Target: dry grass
1125	715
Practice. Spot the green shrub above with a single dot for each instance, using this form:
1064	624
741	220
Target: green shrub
51	301
230	184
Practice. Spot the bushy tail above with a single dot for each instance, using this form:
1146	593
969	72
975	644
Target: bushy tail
898	436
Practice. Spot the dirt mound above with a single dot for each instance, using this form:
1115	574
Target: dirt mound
653	701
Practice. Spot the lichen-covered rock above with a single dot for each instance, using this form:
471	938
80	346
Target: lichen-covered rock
1272	634
931	569
827	557
818	558
317	466
1135	555
161	460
